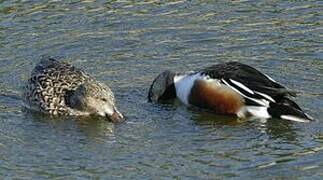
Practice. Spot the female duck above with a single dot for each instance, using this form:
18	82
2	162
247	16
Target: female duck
60	89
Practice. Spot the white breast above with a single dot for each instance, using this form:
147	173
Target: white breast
184	84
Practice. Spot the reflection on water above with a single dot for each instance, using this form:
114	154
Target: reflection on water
125	44
91	127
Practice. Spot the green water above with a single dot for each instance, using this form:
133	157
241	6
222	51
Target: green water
125	45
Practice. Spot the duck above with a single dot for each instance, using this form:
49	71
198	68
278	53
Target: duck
58	88
230	88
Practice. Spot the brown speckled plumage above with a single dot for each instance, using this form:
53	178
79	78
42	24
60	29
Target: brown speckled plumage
56	87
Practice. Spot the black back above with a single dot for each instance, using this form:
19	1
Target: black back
249	77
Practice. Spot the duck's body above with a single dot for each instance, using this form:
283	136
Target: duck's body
59	88
229	88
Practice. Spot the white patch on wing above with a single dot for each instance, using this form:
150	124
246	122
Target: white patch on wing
242	86
293	118
211	80
265	96
270	78
184	84
259	101
258	111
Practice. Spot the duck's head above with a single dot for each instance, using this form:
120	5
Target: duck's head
94	98
163	87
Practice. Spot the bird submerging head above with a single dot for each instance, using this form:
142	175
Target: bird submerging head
229	88
59	88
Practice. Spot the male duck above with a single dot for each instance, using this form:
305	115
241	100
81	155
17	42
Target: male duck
60	89
229	88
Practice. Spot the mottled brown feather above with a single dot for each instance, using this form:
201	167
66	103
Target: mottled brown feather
218	98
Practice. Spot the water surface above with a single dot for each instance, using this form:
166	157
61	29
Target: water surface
126	44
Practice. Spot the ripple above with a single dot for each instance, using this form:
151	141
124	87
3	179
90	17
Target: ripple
126	44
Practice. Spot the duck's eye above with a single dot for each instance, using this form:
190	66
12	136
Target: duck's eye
103	99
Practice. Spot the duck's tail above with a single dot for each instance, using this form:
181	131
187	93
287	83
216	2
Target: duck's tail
287	112
286	109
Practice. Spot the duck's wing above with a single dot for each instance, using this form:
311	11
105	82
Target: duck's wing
60	72
47	63
50	80
248	81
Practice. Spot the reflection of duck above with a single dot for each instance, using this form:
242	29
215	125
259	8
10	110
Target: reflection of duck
60	89
229	88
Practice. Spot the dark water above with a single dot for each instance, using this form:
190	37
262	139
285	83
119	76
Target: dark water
126	44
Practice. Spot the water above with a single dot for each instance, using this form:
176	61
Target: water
126	44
